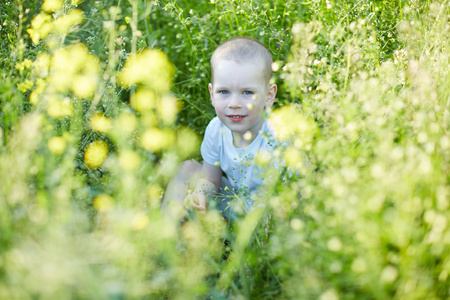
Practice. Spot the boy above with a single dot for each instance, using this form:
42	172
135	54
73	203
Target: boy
241	69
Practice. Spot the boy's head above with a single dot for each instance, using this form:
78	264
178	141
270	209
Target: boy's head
240	90
244	49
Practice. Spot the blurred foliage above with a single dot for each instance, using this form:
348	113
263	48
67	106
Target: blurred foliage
101	100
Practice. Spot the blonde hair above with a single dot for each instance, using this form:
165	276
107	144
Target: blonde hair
244	49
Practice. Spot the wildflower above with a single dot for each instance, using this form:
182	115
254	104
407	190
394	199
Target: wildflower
76	2
74	69
187	142
140	221
359	265
262	158
64	24
167	109
293	158
100	123
103	203
275	66
288	121
127	122
57	145
247	135
84	86
150	68
296	224
129	160
50	6
26	64
155	192
42	65
59	108
95	154
329	294
155	139
389	274
334	244
41	26
143	99
25	85
40	87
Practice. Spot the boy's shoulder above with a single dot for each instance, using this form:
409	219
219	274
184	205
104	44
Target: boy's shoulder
215	122
214	125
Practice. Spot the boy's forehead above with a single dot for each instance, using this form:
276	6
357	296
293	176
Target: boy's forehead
222	61
227	65
224	66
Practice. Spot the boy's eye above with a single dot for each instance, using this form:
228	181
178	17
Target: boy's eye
223	92
248	93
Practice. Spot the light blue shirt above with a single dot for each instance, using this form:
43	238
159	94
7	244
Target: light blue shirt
237	163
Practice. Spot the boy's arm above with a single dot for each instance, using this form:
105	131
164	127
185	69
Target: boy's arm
208	184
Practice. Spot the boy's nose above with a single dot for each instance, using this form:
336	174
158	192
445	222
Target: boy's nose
235	102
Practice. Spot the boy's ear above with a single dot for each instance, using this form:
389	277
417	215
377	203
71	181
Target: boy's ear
210	88
271	93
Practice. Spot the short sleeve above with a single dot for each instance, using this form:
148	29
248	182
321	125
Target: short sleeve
212	144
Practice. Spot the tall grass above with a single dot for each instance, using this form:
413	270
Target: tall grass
100	101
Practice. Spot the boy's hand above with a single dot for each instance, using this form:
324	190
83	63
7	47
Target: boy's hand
197	201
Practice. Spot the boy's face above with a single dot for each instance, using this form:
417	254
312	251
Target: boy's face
240	95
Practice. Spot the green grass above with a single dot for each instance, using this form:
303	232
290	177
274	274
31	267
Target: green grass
364	85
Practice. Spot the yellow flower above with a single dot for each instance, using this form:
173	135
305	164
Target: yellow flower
288	121
293	158
103	203
63	68
140	221
262	158
41	26
25	64
167	109
155	192
57	145
155	139
52	5
127	122
129	160
149	119
59	108
76	2
187	142
74	68
389	274
84	86
150	68
34	97
40	87
25	85
95	154
143	99
42	65
64	24
100	123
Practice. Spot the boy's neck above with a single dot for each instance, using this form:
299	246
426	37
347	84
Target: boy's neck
239	141
242	140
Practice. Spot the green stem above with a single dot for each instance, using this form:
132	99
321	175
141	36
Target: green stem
133	24
202	111
269	264
236	18
348	68
19	46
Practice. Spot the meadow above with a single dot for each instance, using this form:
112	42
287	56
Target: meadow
101	100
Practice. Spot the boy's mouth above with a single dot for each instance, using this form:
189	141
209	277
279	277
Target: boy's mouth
236	118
